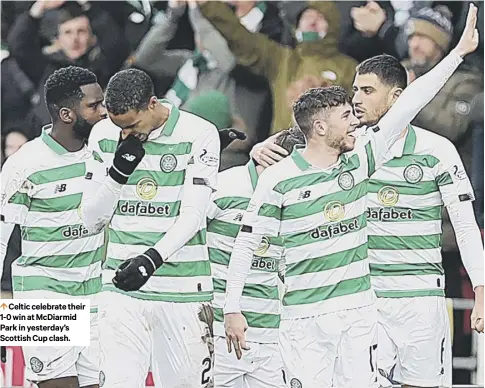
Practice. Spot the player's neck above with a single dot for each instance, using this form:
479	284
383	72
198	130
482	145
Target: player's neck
66	138
163	114
321	155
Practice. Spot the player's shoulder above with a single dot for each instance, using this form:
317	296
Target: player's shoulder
233	182
431	143
280	172
190	127
104	129
22	161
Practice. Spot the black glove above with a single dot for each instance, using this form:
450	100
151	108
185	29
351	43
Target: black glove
3	354
228	135
128	155
132	274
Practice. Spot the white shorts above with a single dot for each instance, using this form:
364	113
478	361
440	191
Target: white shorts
414	341
337	350
51	362
138	334
259	367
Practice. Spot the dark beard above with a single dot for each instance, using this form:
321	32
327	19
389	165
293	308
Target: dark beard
82	128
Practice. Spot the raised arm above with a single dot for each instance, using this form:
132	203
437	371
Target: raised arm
254	50
417	95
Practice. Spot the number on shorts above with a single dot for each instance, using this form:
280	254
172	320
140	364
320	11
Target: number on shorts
372	350
205	373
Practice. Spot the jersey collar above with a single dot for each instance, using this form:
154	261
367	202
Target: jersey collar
168	127
304	165
253	174
50	142
407	147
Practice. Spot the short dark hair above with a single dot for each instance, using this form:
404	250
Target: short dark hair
313	101
69	11
289	138
63	88
388	68
129	89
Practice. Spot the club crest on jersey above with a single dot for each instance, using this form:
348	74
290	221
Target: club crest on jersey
346	181
413	173
263	247
295	383
334	211
388	195
36	365
146	188
168	162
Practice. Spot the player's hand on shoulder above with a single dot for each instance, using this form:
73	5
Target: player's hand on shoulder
236	326
132	274
268	153
127	157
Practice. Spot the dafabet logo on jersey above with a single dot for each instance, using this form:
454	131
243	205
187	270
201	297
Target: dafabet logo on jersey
263	263
143	209
389	197
146	188
333	212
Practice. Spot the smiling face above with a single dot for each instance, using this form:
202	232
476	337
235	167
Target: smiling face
340	124
372	98
312	21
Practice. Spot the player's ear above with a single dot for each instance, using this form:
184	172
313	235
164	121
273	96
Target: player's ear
152	103
395	93
66	115
319	127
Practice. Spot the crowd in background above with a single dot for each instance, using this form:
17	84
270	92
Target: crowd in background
241	64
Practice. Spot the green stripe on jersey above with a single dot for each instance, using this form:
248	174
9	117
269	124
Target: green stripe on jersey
414	269
240	203
444	179
170	269
57	204
251	290
429	241
403	187
218	256
44	283
58	174
314	179
177	297
151	148
326	262
162	179
53	233
223	228
149	238
264	321
314	295
20	199
371	163
409	294
421	160
77	260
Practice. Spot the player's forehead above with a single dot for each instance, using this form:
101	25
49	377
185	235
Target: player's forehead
367	80
92	94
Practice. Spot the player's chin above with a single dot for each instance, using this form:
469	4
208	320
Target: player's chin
349	143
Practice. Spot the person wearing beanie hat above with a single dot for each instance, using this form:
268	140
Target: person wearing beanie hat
429	36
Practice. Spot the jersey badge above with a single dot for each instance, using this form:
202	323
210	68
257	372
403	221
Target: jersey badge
168	162
413	173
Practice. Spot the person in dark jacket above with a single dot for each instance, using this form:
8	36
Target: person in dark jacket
86	37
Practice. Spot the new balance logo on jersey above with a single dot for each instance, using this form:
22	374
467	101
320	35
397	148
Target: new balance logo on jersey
60	188
238	217
304	194
129	157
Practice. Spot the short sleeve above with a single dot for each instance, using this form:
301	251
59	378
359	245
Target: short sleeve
451	177
263	214
17	193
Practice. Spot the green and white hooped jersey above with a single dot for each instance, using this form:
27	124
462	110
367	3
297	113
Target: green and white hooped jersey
406	199
184	151
42	189
320	214
260	301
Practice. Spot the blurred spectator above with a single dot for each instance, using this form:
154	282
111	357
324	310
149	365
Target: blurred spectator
13	141
450	113
477	153
212	66
300	86
86	36
315	54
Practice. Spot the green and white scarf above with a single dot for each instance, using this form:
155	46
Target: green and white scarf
188	75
